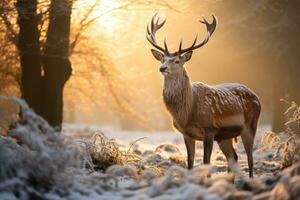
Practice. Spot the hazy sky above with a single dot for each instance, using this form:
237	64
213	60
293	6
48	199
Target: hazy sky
120	36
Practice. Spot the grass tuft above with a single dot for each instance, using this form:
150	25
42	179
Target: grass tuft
106	152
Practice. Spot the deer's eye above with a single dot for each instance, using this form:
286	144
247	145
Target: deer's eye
177	61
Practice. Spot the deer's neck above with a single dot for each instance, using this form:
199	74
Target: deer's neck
178	97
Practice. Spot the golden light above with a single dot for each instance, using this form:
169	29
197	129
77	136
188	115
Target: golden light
107	18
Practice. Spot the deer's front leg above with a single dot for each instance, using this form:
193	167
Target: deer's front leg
190	148
208	142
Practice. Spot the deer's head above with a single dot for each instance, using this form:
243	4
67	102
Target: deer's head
172	63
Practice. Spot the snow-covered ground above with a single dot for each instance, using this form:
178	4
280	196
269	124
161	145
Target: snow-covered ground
149	141
38	163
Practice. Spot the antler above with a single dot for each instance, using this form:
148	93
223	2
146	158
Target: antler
155	26
210	29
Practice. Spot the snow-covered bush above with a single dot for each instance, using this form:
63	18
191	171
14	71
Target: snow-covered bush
34	157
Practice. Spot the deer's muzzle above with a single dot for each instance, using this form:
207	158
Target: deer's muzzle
162	69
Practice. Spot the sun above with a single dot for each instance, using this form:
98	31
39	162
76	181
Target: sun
107	17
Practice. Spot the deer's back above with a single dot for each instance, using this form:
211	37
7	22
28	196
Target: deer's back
223	105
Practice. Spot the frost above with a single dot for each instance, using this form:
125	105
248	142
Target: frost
38	163
117	170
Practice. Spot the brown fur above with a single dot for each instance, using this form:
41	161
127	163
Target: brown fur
198	110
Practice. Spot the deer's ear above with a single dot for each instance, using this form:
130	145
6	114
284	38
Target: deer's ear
187	56
157	55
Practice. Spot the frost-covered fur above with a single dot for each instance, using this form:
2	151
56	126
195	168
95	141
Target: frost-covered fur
201	105
203	112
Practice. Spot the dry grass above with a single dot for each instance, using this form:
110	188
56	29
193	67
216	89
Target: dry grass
179	160
102	153
293	122
287	145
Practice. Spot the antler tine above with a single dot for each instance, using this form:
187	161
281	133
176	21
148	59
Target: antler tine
166	47
204	21
154	27
195	40
210	30
148	31
180	45
152	24
157	21
161	24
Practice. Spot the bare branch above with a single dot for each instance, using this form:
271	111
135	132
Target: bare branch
85	23
8	24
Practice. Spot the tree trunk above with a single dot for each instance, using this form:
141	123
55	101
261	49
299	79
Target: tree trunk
29	50
57	67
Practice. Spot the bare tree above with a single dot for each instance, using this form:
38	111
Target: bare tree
44	73
44	47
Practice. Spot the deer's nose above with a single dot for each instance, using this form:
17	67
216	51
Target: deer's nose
162	69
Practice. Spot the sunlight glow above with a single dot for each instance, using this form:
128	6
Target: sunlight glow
107	16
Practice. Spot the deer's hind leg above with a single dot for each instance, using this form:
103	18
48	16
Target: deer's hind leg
229	152
247	136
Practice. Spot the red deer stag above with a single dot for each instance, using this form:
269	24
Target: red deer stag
202	112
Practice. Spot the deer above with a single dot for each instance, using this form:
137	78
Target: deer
204	112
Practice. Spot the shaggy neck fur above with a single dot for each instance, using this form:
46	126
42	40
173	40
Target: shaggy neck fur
178	97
